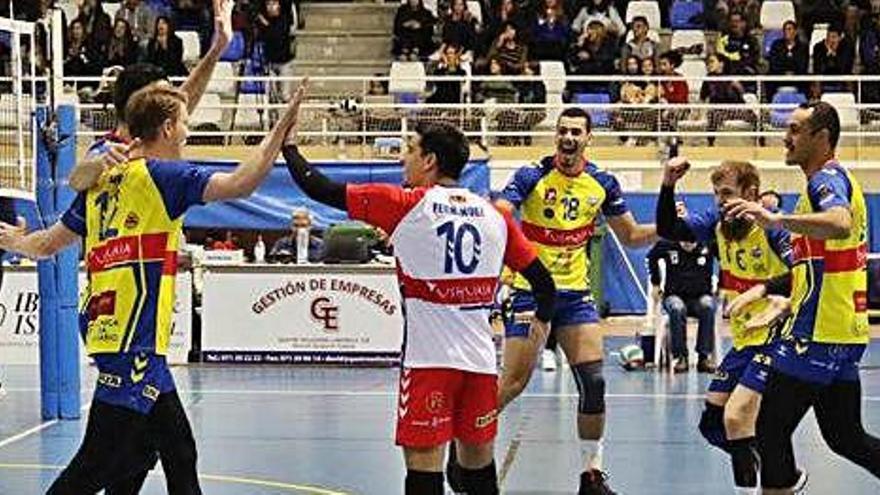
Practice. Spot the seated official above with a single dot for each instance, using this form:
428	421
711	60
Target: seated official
686	292
285	248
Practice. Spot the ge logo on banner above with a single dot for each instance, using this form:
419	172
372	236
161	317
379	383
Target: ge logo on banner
327	313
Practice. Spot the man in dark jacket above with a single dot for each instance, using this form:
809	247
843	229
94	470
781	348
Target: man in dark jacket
686	292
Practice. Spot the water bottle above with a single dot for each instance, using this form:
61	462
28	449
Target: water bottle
260	250
302	246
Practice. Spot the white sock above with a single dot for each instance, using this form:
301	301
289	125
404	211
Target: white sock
591	453
745	490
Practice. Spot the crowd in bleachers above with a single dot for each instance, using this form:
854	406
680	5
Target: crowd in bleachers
613	37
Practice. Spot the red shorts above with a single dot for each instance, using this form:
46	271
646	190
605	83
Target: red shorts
436	405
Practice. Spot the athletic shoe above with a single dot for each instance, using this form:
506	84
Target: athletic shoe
706	365
548	360
801	484
681	365
593	483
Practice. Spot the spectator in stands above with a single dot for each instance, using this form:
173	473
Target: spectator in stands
832	56
869	51
820	12
122	50
686	292
722	93
98	27
165	49
510	52
602	11
740	48
195	15
592	54
640	45
285	248
788	56
500	90
635	93
750	10
413	29
852	24
140	18
80	60
550	32
231	242
673	89
771	200
449	65
507	12
460	28
273	30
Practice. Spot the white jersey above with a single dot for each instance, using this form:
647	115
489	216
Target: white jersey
450	246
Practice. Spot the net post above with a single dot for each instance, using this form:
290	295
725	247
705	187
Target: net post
66	273
49	372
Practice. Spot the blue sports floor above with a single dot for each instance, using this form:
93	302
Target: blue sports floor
326	431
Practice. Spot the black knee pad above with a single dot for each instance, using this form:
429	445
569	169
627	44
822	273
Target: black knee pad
712	426
591	387
423	483
483	481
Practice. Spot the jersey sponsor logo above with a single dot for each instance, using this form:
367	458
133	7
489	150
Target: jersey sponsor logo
132	220
721	375
139	368
435	402
860	301
486	419
550	196
102	304
451	291
325	312
151	392
757	252
109	380
557	237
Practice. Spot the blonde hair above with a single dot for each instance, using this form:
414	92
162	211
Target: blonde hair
149	108
745	174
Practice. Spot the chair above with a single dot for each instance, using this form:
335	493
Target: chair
192	46
686	14
473	6
845	103
225	87
770	36
599	116
208	111
235	51
650	10
110	9
407	77
694	71
686	38
779	116
774	13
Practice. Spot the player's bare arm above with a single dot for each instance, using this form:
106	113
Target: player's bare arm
632	233
834	223
38	244
197	82
88	171
250	173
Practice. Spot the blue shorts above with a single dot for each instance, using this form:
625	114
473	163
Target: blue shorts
749	367
816	362
572	308
133	381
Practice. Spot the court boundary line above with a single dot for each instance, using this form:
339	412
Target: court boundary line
221	478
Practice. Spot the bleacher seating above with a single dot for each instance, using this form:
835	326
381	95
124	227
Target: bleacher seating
686	14
845	103
779	116
192	47
650	10
686	38
774	13
235	51
599	116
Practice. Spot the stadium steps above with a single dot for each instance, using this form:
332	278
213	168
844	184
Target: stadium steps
349	17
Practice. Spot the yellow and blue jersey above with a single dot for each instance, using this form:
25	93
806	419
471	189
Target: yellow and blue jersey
829	278
559	214
131	224
761	255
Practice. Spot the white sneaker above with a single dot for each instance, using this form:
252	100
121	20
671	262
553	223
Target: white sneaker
548	360
801	484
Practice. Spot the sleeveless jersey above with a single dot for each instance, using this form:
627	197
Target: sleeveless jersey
131	223
560	214
829	278
450	246
761	255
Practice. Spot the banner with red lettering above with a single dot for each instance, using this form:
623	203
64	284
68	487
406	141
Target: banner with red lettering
301	317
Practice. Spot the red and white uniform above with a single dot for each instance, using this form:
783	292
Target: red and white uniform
450	246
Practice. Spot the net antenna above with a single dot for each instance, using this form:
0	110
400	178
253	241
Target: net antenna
18	100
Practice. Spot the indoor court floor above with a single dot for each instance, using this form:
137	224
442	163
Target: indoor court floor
279	429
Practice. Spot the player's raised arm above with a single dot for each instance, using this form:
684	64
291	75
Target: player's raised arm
250	173
197	82
315	184
669	224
